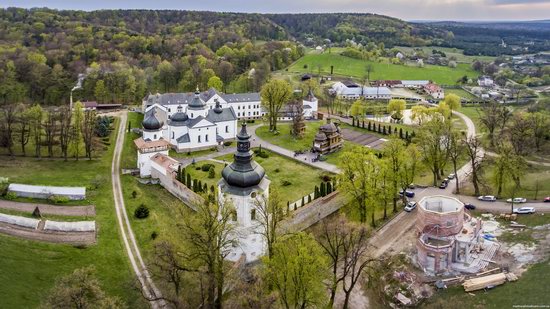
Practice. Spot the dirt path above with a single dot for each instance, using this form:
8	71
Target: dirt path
83	211
132	249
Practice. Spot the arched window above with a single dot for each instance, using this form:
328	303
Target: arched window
226	129
155	136
206	138
199	138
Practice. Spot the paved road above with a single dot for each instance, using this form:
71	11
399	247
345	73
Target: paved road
132	249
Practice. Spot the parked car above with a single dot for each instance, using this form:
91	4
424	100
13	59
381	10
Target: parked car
412	186
547	199
469	206
524	210
443	185
517	200
410	206
451	176
487	198
408	193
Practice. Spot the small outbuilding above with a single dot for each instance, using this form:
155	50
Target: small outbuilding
45	192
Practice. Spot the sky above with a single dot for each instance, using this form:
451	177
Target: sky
403	9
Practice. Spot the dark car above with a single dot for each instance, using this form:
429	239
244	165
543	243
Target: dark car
469	206
443	185
547	199
407	193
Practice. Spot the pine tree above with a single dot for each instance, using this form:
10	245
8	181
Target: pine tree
205	188
303	202
323	189
384	130
401	133
287	206
212	189
363	124
178	174
369	127
379	129
329	188
353	121
407	135
316	193
309	199
199	186
395	130
189	181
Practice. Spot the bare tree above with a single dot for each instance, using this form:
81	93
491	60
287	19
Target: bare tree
23	120
210	234
8	122
88	126
270	214
296	110
520	134
456	149
475	155
65	130
345	243
51	130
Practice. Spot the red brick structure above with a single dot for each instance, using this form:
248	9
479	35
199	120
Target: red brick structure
446	235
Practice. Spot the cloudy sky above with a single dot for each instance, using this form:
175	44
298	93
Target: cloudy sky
404	9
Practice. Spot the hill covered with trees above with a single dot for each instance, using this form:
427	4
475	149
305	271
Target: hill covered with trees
127	53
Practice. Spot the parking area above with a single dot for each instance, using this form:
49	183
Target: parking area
369	140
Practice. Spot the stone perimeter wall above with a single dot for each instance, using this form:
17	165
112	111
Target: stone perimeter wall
177	189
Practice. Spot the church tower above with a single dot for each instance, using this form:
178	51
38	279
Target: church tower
242	185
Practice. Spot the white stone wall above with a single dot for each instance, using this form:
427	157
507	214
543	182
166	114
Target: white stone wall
144	162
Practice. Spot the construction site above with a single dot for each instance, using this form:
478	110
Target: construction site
447	246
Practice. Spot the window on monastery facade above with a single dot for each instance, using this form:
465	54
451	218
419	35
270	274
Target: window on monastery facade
253	214
155	136
173	134
226	129
199	138
206	138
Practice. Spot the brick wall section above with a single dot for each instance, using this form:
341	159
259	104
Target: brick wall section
175	187
450	223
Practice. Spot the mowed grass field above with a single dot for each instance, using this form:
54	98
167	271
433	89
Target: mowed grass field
350	67
28	269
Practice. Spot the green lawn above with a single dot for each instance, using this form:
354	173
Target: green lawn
28	269
303	178
128	158
284	139
457	53
535	184
349	67
461	93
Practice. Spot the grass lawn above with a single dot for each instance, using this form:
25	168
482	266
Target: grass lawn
304	178
286	140
349	67
473	112
535	184
530	289
461	93
128	158
457	53
28	269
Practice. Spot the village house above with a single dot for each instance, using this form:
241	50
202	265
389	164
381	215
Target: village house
434	91
352	91
485	81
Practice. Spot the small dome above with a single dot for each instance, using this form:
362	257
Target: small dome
151	122
197	102
179	117
218	108
320	137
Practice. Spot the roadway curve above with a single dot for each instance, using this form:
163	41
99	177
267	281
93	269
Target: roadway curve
132	249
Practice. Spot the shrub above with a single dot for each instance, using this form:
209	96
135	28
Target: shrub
285	183
134	194
154	235
277	170
58	199
211	172
325	177
206	167
227	143
141	212
11	196
198	168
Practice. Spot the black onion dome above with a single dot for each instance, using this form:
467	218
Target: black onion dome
197	102
310	96
218	108
243	172
179	117
151	122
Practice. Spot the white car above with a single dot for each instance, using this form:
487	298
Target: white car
524	210
410	206
487	198
451	176
517	200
